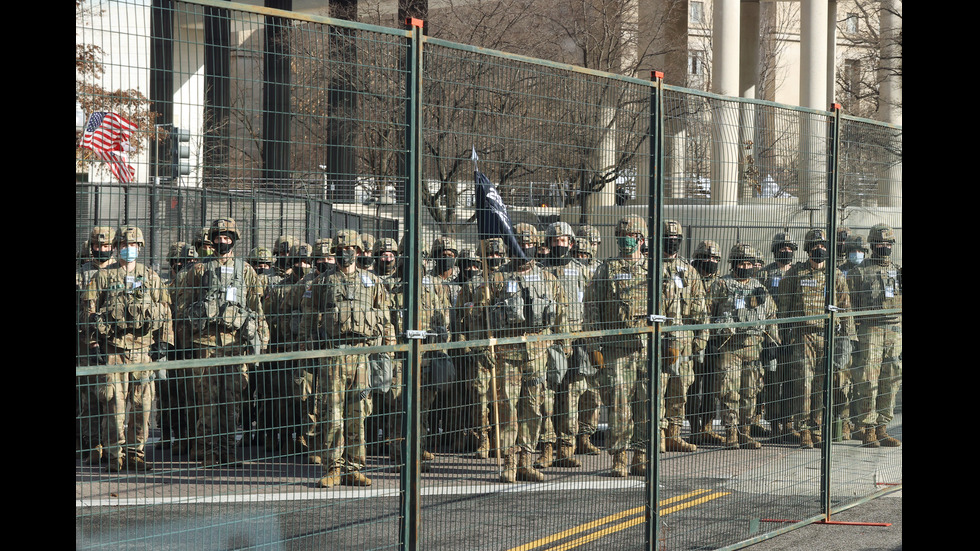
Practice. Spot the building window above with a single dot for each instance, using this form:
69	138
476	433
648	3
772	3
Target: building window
696	12
695	62
851	23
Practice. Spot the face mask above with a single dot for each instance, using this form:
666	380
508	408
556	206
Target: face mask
322	267
445	264
671	246
855	257
386	266
494	262
129	254
627	244
346	258
784	257
705	267
365	262
818	255
559	251
743	273
283	262
883	251
102	256
223	248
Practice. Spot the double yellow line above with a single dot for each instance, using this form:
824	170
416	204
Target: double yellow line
638	515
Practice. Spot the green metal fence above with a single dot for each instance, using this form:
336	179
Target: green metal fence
383	375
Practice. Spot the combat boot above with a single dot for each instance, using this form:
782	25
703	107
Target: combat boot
639	465
674	442
881	434
585	445
706	437
845	431
93	457
857	433
619	465
566	457
731	437
745	439
137	463
789	435
510	468
427	455
663	441
332	479
116	464
756	428
355	478
483	448
870	439
526	472
806	442
547	457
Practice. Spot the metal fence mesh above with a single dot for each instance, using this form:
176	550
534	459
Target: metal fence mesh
655	356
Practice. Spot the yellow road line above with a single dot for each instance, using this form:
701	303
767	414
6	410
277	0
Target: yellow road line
687	504
596	523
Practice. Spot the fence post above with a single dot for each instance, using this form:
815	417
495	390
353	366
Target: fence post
411	476
654	289
831	299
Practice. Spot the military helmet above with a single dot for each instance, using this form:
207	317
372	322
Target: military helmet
203	238
466	256
813	237
385	244
367	242
843	232
783	239
881	233
260	255
129	234
223	225
591	234
495	246
444	243
187	252
558	229
527	234
102	235
631	224
346	238
284	244
173	253
322	248
741	252
301	252
583	245
707	249
672	228
855	243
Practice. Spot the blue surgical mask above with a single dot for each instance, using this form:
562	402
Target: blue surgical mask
130	253
855	257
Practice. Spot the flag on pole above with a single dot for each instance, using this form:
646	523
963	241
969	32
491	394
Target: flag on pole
107	134
492	219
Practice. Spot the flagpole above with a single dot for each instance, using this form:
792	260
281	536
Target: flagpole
493	354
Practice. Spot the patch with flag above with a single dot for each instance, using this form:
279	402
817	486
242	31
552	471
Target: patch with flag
107	134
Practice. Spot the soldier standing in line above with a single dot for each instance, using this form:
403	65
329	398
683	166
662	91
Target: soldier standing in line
802	293
131	324
585	250
701	403
771	400
877	373
524	300
855	250
221	299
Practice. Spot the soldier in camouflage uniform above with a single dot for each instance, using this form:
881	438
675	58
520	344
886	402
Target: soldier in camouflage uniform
347	310
470	323
702	397
684	296
585	250
441	389
524	300
98	251
365	260
802	293
203	244
734	298
581	375
877	372
855	250
617	299
221	300
387	397
130	312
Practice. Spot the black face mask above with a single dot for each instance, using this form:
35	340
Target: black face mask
783	257
883	251
559	251
346	258
705	267
743	273
672	245
222	248
322	267
101	256
818	255
445	264
283	262
494	262
365	262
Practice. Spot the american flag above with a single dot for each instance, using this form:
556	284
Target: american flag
107	134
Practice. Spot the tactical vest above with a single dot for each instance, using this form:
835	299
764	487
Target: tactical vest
128	306
881	289
742	302
574	278
524	303
222	305
349	311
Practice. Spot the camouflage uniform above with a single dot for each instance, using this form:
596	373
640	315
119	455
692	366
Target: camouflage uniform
524	300
173	391
388	401
846	354
684	296
221	300
130	310
88	406
442	389
802	292
346	310
703	394
738	297
877	372
586	249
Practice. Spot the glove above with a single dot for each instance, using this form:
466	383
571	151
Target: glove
160	352
96	353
